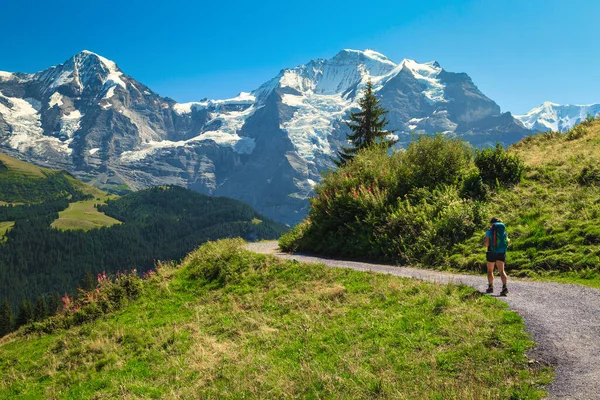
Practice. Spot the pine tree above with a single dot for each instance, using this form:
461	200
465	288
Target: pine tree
6	318
367	126
89	281
40	311
25	314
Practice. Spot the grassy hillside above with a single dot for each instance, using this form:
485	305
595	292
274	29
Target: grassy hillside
22	182
228	323
430	205
84	215
553	215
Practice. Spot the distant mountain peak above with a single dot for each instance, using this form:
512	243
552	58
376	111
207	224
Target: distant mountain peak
551	116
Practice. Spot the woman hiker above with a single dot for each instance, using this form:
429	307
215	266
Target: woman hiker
496	240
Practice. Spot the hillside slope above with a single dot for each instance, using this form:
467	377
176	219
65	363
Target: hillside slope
22	182
161	223
230	324
430	205
553	216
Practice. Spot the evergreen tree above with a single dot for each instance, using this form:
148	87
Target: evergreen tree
40	311
54	302
25	314
6	319
89	281
367	126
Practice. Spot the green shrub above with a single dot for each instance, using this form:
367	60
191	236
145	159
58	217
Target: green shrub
576	132
473	187
499	168
437	160
589	176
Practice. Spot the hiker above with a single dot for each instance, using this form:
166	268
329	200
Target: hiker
496	240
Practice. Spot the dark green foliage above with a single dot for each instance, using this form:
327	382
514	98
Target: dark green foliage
40	310
498	167
473	187
27	211
6	318
162	223
589	176
89	281
25	314
367	126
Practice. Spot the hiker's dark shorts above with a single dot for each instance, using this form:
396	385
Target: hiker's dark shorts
493	257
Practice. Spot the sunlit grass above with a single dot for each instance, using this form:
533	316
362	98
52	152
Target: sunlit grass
4	228
83	215
233	324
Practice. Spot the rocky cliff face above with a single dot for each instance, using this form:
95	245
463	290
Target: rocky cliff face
266	148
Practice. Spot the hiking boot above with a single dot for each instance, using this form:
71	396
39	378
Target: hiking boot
504	291
490	289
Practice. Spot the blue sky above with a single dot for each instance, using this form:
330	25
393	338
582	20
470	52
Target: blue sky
519	53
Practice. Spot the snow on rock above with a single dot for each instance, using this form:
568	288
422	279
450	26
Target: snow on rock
70	123
93	151
24	119
114	74
230	123
241	99
55	100
427	74
313	122
6	76
556	117
110	92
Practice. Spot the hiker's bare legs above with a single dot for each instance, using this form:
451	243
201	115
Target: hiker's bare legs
490	271
500	266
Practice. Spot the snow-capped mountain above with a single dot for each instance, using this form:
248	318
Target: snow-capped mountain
266	147
556	117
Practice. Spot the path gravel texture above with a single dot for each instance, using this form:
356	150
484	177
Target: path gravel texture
563	319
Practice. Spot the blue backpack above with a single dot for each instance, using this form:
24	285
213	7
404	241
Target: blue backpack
498	238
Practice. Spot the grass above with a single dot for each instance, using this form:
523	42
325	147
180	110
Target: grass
232	324
83	215
552	216
4	228
23	168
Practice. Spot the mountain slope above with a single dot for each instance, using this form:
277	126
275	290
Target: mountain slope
266	148
231	324
558	118
68	229
22	182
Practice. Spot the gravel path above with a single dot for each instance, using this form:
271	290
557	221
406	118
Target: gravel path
564	320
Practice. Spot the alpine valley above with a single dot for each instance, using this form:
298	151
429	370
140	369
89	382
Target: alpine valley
266	148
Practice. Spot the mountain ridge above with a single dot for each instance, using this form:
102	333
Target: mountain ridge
266	147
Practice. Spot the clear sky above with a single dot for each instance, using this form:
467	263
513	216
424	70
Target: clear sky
519	53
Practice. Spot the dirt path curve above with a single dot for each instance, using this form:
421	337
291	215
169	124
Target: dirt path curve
564	320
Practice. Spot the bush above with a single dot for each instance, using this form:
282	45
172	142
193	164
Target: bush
589	176
437	160
577	132
498	168
110	294
473	187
